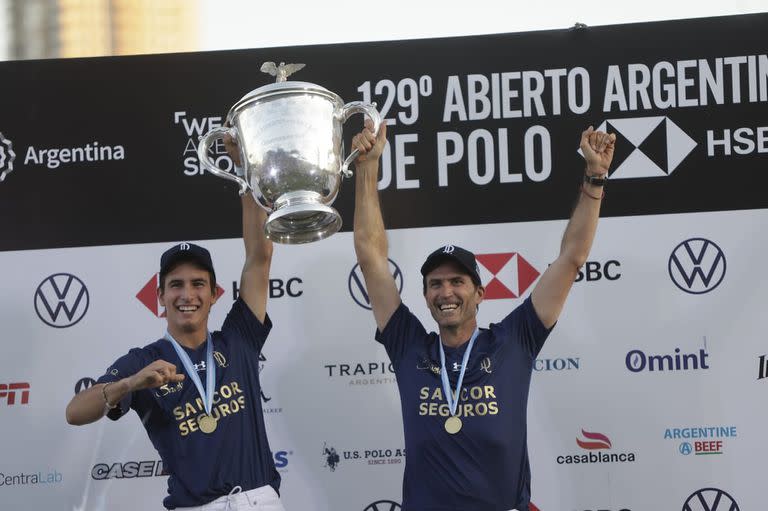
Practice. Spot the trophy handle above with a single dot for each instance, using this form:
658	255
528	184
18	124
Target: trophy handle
347	111
206	141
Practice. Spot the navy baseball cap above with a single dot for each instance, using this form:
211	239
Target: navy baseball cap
186	252
464	258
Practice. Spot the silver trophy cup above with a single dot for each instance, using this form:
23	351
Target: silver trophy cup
290	139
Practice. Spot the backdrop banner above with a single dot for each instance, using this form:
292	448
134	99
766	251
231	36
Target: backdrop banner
647	396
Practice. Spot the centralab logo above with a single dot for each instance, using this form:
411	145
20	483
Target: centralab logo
697	266
505	275
356	284
6	157
595	443
647	146
61	300
702	440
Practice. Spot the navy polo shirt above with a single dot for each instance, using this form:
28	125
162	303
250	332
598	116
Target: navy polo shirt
484	467
202	466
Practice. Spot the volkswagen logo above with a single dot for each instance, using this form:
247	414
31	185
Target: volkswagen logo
710	499
84	384
697	266
61	300
383	505
357	284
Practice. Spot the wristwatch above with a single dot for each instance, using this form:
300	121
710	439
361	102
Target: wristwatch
595	181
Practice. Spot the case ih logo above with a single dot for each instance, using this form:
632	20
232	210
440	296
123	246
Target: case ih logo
647	146
148	295
506	275
6	157
9	391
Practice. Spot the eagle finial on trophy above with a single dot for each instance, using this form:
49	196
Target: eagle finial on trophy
281	71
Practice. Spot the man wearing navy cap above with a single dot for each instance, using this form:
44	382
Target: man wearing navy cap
464	390
197	393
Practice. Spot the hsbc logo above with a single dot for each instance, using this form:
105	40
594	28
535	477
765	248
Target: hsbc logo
647	146
6	157
697	266
148	296
506	275
356	283
710	499
10	391
61	300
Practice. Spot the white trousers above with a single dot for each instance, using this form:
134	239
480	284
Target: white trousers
264	498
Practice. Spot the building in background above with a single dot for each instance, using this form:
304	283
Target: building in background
36	29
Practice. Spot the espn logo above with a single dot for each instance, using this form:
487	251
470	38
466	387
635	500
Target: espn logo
8	391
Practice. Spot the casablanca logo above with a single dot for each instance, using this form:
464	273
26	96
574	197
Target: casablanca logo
6	157
148	296
506	275
647	146
595	442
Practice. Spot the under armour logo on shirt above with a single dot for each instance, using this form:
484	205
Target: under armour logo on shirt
448	249
456	366
200	367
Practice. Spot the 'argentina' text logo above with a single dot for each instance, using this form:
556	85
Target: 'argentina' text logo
697	266
357	288
61	300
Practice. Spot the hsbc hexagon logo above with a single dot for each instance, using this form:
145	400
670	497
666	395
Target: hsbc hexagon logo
647	146
506	275
6	157
148	295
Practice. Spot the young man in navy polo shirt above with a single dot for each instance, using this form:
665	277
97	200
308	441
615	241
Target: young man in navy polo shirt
198	393
464	390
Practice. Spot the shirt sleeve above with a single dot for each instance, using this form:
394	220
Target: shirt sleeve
242	322
402	329
127	365
525	326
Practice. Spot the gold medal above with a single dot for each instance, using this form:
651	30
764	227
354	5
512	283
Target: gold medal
453	425
208	424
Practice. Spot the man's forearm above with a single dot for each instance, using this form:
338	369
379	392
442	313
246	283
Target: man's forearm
581	229
369	233
89	405
257	247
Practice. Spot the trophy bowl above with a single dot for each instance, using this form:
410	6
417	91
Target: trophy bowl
289	135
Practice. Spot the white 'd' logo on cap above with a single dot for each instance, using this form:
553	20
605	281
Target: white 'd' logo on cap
448	249
183	246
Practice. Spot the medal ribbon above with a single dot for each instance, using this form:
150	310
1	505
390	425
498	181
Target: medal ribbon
452	404
189	367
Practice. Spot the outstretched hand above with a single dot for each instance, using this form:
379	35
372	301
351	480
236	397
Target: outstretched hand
597	147
156	374
369	145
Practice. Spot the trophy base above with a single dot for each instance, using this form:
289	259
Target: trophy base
302	223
